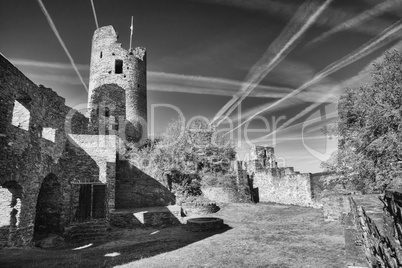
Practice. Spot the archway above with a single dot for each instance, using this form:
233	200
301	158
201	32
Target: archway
10	208
48	208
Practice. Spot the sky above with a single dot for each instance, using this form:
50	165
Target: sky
236	58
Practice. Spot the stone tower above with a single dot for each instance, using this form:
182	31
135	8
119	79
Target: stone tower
117	97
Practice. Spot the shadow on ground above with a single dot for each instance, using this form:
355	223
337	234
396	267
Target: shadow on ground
130	244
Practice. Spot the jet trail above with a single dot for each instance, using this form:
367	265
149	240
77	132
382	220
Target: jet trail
366	15
286	41
95	17
50	21
372	45
299	115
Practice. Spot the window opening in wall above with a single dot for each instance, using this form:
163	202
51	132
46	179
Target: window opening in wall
49	133
118	67
107	112
101	54
21	116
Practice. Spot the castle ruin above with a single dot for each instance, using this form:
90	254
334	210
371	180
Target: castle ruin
65	174
270	183
60	169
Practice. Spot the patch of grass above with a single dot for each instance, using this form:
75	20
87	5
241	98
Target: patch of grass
260	235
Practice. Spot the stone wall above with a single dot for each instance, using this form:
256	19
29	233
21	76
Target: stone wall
273	185
380	236
35	142
117	71
135	188
220	194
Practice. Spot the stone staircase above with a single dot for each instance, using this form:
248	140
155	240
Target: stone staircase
148	216
87	231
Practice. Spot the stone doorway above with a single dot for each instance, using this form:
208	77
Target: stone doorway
48	208
92	202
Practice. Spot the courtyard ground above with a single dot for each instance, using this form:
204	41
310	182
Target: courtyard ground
257	235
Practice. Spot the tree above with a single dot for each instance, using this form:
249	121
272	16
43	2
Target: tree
369	129
183	155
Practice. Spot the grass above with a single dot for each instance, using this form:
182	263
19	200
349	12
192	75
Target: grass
261	235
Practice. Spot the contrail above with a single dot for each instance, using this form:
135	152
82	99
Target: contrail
366	15
49	19
263	67
96	18
301	114
372	45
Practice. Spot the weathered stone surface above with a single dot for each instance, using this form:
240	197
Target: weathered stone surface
204	224
51	241
268	183
380	238
199	208
27	156
58	167
292	189
135	188
220	194
150	216
116	72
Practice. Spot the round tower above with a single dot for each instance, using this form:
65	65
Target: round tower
117	99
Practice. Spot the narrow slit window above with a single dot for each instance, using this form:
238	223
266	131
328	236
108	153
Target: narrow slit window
118	67
101	54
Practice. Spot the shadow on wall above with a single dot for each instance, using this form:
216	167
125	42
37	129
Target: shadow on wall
135	189
48	208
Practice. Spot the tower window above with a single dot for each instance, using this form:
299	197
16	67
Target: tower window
118	67
101	54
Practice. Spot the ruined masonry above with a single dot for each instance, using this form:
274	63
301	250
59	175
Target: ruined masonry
61	171
270	183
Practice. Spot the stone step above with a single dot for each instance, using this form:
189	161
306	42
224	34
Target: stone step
87	230
150	216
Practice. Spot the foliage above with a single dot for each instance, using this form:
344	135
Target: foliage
369	128
227	180
185	155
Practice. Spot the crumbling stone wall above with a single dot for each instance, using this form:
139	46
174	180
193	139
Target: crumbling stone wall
382	244
35	142
276	186
268	183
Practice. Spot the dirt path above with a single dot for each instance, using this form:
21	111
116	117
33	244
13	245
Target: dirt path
262	235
